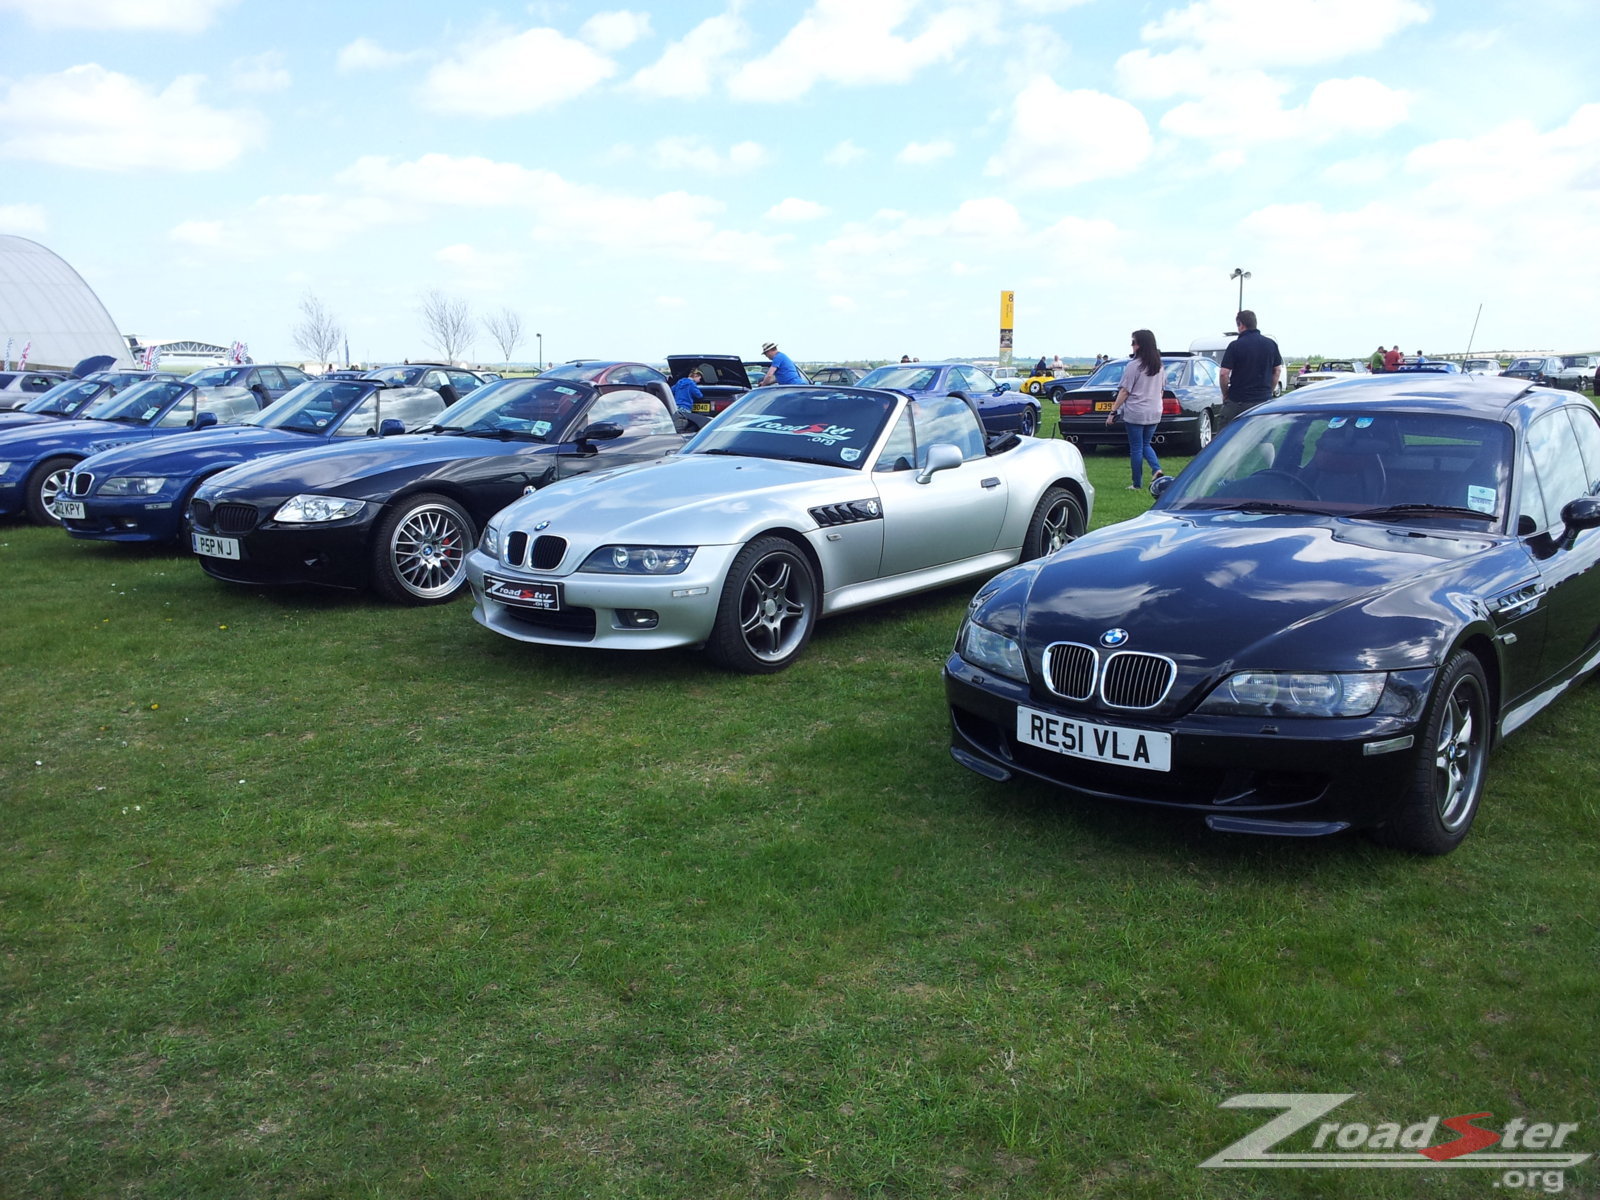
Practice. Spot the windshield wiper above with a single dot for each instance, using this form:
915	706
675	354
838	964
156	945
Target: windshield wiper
447	428
1423	510
1257	506
729	453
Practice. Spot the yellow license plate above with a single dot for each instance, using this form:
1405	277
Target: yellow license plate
1104	405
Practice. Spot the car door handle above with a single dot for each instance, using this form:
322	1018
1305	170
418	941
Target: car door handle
992	482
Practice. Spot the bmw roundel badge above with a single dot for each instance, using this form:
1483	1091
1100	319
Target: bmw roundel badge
541	525
1112	638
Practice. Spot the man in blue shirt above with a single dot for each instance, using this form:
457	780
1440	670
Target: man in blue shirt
687	390
782	369
1250	367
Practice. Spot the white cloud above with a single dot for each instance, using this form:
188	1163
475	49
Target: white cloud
263	72
795	209
22	218
87	116
364	54
922	153
1240	34
498	76
845	153
1059	138
686	68
179	16
1249	108
612	31
676	153
857	42
303	222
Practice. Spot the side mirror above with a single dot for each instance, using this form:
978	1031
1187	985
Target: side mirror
205	420
603	432
942	456
1159	487
1582	513
391	427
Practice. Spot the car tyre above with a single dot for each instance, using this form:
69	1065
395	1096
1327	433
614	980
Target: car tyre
46	483
767	610
419	551
1057	520
1204	430
1446	782
1029	424
1058	394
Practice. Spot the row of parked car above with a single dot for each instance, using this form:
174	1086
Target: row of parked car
1326	621
1569	372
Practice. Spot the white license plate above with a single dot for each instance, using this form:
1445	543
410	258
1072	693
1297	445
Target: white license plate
70	508
1117	745
215	547
543	596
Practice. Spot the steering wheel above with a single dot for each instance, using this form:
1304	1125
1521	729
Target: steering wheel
1291	486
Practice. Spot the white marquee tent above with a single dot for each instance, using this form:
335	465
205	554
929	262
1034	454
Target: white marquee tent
45	302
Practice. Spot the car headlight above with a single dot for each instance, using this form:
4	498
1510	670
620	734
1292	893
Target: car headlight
489	543
133	485
990	650
639	560
1297	694
5	469
306	510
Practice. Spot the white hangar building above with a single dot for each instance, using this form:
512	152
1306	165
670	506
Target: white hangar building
45	302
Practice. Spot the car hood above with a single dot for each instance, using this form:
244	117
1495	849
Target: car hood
337	469
178	452
59	433
700	498
1229	591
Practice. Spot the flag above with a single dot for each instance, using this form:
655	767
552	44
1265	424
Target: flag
8	353
22	363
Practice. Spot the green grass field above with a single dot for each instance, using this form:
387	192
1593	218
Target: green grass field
303	895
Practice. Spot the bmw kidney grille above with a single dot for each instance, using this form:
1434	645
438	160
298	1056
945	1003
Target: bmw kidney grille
1127	679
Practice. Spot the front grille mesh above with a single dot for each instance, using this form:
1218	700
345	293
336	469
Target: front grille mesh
1127	679
234	518
548	551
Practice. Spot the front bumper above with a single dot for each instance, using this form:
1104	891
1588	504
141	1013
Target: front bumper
685	604
336	554
13	499
156	518
1296	777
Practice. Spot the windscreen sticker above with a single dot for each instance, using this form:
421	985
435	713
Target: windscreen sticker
828	435
1480	499
539	428
849	454
1363	422
1337	422
149	413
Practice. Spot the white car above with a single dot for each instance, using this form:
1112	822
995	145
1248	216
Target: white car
1330	369
1480	366
1577	372
794	504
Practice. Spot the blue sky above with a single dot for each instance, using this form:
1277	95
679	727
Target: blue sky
849	178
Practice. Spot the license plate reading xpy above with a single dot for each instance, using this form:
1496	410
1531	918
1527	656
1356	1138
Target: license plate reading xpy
216	547
545	596
1144	749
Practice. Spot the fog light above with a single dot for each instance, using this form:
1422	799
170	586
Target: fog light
638	618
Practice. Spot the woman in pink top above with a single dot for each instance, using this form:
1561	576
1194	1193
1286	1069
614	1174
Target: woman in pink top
1139	402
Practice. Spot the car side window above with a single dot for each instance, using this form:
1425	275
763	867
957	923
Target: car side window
1586	433
900	451
435	380
464	382
1205	371
981	380
1174	375
270	378
948	419
1552	474
637	412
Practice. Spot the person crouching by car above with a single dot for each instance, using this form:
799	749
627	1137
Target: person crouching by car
687	390
1139	402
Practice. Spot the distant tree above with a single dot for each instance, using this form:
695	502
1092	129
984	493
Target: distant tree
319	333
505	327
449	324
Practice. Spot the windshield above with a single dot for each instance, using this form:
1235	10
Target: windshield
537	409
1440	465
313	407
217	376
1526	364
395	376
901	377
799	424
588	372
140	404
64	399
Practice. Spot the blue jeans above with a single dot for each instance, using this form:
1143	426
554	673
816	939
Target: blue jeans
1140	451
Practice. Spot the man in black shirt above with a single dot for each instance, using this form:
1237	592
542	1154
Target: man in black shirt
1250	368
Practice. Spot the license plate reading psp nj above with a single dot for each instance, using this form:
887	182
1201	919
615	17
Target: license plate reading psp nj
1144	749
216	547
544	596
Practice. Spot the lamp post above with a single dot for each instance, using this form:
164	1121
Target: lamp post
1241	275
540	336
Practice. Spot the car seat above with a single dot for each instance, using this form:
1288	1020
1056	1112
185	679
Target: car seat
1348	466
